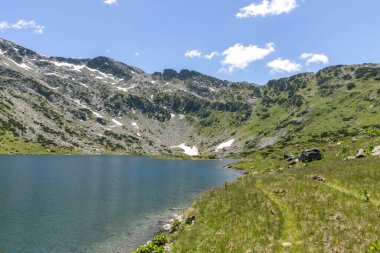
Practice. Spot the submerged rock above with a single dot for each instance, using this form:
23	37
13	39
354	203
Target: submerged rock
310	155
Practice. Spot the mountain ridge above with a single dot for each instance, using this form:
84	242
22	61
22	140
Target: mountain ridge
100	105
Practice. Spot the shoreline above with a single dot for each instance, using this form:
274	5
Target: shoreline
186	211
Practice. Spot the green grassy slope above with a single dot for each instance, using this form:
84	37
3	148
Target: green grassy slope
286	210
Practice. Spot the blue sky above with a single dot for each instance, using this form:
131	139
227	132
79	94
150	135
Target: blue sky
252	40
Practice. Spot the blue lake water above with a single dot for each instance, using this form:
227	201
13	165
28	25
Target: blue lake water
95	203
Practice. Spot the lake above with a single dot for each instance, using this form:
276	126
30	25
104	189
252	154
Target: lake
95	203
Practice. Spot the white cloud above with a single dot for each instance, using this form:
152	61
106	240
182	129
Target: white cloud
4	26
211	55
110	2
314	58
193	53
239	56
22	24
266	7
284	65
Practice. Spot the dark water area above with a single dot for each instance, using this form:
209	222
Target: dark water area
95	203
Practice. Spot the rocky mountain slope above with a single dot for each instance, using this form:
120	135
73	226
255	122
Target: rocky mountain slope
100	105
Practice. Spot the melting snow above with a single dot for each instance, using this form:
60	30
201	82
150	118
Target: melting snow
23	65
226	144
134	124
96	114
68	65
188	150
55	74
172	115
126	89
83	84
117	122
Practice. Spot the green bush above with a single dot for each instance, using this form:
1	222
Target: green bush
350	86
160	240
150	248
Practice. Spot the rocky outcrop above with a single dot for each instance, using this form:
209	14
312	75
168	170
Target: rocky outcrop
169	74
310	155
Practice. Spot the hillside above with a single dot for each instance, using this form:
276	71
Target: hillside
100	106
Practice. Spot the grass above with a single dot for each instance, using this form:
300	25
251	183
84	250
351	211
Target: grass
285	210
9	144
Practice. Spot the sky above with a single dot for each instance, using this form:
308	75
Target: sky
237	40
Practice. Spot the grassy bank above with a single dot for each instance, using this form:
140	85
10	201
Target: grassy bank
332	205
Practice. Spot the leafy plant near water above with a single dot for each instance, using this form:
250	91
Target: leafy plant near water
160	240
150	248
156	246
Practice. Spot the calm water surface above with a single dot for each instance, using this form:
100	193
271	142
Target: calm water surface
95	203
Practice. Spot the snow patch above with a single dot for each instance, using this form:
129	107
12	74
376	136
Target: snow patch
68	65
96	114
117	122
224	145
172	115
22	65
151	97
56	74
82	105
83	84
138	134
190	151
126	89
134	124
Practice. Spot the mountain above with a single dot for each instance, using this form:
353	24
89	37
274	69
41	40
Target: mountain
64	105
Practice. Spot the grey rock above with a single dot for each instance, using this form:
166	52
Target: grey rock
361	153
376	151
310	155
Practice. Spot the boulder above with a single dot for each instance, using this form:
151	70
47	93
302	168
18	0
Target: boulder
101	121
318	178
376	151
361	153
290	159
310	155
